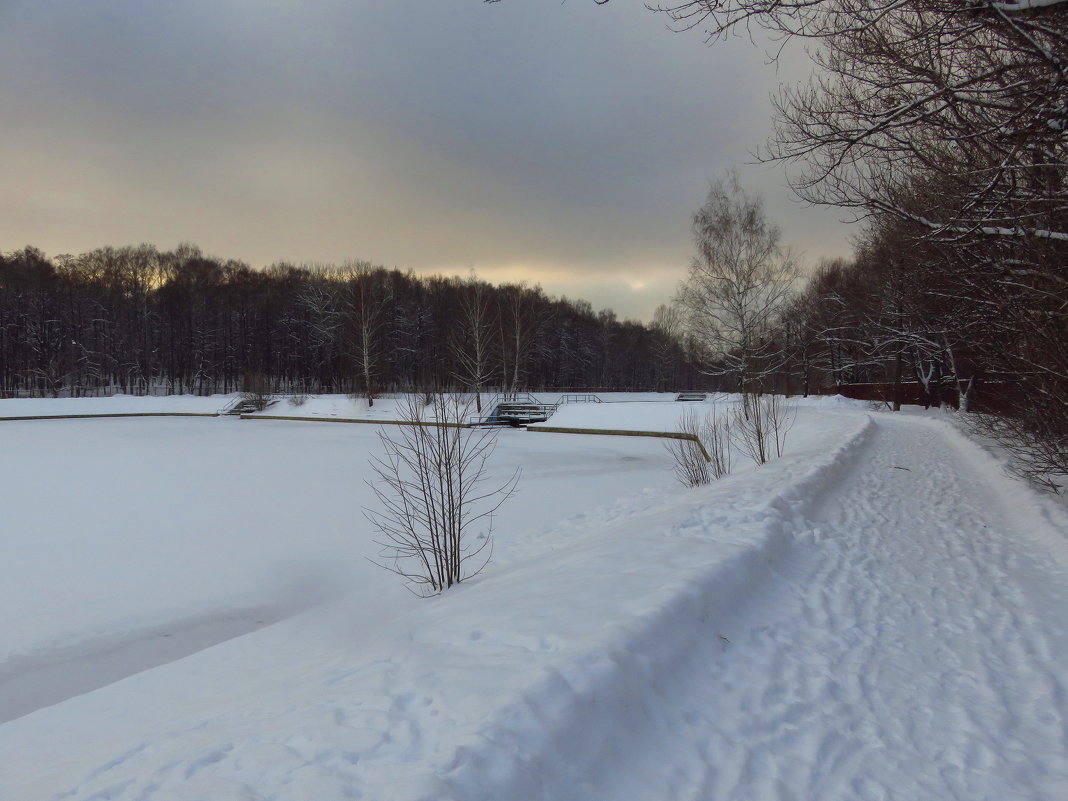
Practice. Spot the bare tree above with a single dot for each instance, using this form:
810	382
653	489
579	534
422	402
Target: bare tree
348	307
967	97
474	341
1036	442
669	326
436	496
737	284
522	315
368	296
321	300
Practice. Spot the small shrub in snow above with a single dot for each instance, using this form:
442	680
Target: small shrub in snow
781	413
435	498
690	464
298	400
760	427
715	434
705	455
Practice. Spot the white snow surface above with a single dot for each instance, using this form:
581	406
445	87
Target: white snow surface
188	614
115	404
347	407
652	415
617	411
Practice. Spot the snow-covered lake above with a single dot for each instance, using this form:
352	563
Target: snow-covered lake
128	525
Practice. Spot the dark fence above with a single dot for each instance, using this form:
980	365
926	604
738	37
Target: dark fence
988	397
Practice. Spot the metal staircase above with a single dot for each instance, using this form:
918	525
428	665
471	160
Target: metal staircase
520	408
242	406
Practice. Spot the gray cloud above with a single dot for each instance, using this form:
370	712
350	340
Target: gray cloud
564	144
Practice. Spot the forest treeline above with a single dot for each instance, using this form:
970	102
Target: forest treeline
138	320
978	323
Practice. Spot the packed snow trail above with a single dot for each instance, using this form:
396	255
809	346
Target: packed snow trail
912	646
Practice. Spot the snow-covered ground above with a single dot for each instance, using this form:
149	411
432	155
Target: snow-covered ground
118	404
876	615
392	407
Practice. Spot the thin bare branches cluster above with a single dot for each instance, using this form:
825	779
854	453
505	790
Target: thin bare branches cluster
1038	445
758	429
691	466
716	436
436	494
760	426
972	94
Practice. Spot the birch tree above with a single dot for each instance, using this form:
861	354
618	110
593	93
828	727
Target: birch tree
474	342
365	296
736	286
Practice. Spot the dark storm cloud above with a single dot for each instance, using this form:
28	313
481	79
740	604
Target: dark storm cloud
565	144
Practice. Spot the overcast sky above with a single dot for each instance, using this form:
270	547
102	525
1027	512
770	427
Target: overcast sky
565	144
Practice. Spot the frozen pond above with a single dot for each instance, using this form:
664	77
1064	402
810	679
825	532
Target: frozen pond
133	542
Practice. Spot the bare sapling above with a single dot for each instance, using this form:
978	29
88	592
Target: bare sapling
436	495
760	427
715	434
750	431
690	465
781	413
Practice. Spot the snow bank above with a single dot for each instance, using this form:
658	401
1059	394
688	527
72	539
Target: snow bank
664	414
1043	515
345	407
656	410
840	402
580	710
116	404
660	416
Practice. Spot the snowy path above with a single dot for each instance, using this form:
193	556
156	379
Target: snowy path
913	647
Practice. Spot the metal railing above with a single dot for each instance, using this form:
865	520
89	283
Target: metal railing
579	399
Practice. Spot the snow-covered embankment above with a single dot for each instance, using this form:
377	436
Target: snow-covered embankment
690	564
